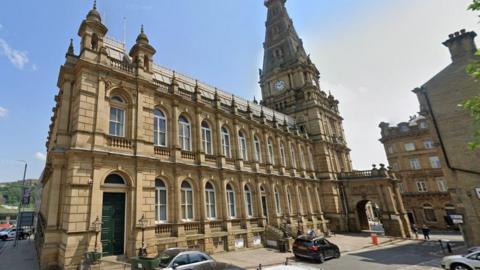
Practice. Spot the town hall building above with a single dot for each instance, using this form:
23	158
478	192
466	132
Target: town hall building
136	147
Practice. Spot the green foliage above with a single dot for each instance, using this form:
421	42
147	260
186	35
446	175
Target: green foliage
10	194
475	5
473	104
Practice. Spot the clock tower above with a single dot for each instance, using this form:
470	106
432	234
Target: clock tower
290	84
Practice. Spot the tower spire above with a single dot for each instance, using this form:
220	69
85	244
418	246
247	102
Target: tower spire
95	4
282	43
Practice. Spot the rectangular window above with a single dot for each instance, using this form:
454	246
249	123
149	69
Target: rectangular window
421	186
207	141
409	146
435	162
395	166
248	203
442	186
277	203
231	203
117	122
401	186
428	144
161	205
187	204
391	149
415	164
210	204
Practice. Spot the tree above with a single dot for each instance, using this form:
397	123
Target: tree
473	104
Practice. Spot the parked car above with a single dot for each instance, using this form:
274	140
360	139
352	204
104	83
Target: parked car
473	249
184	259
469	261
317	248
215	266
12	232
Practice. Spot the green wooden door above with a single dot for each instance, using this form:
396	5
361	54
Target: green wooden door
113	223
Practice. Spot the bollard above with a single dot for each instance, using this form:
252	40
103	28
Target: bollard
441	246
449	247
374	239
286	261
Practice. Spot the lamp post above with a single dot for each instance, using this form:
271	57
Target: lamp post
19	215
143	222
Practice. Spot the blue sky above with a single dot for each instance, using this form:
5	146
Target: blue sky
371	53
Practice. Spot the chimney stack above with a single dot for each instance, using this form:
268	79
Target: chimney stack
461	44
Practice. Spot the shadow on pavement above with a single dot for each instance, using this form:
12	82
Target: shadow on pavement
409	254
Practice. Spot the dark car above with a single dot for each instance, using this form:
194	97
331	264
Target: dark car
317	248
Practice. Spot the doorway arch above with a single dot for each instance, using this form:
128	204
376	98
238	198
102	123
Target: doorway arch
368	215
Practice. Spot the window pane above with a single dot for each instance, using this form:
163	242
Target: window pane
189	197
163	212
190	212
163	197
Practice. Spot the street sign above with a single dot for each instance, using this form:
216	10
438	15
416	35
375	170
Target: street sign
26	219
26	195
456	219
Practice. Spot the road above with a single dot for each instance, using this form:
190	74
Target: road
411	255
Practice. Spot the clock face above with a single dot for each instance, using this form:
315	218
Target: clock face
279	85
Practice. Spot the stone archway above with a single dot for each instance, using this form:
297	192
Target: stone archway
368	216
377	189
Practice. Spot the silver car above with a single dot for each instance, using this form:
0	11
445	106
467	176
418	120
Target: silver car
184	259
470	261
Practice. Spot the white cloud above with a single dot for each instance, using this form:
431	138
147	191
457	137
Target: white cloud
18	58
40	156
3	112
372	65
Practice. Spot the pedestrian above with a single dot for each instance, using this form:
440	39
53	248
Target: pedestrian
426	232
415	230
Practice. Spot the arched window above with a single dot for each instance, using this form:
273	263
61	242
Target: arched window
289	202
117	116
161	201
271	156
292	156
242	143
248	201
429	213
187	201
302	157
159	128
278	207
114	179
226	143
207	138
282	154
231	201
210	201
184	134
257	149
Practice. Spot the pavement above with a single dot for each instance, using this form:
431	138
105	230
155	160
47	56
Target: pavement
358	252
21	257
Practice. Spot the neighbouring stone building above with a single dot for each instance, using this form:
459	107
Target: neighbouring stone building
415	158
138	146
453	128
